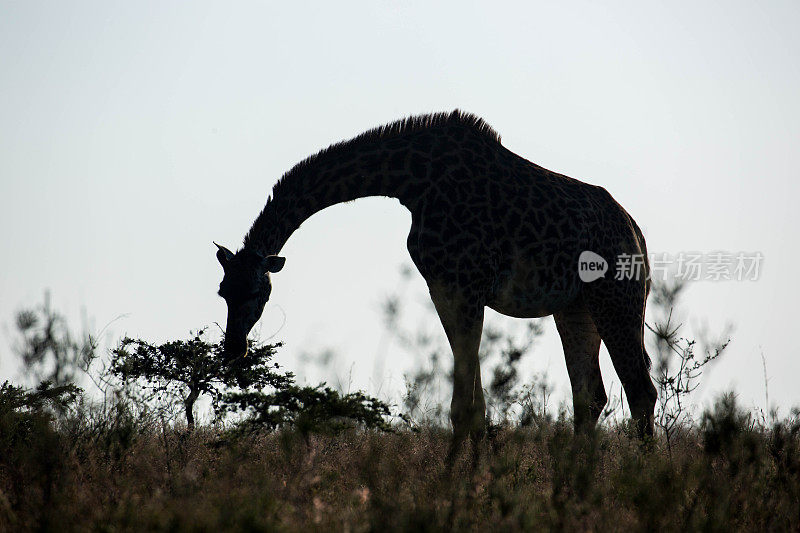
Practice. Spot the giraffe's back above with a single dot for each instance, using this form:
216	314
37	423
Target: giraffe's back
513	231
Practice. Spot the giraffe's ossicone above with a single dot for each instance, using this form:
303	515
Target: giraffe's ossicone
489	228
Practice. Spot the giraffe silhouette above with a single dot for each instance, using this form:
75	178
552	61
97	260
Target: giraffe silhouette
488	228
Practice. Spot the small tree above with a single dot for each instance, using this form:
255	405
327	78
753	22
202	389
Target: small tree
676	381
181	371
48	349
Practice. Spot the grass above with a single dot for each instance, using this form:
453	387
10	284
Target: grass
727	472
128	463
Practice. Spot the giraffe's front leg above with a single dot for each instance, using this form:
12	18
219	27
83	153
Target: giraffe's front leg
463	323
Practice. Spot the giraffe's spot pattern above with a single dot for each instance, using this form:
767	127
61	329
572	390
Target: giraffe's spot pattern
489	228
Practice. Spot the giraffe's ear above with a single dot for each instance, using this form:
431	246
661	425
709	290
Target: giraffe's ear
274	263
223	255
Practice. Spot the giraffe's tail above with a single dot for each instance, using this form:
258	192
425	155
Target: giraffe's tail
646	272
645	259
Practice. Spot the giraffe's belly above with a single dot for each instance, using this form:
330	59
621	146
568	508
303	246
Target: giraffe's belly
532	289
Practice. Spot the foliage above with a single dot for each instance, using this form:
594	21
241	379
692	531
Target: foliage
318	409
676	382
502	349
183	370
504	391
48	349
26	415
422	400
31	450
19	401
252	385
69	463
728	475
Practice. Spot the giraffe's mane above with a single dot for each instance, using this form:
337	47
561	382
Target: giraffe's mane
424	122
394	129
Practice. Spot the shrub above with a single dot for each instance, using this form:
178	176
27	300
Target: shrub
31	451
181	371
48	349
308	409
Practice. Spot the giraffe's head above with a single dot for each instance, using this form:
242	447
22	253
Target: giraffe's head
246	288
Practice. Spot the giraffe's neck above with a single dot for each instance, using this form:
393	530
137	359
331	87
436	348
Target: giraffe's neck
393	167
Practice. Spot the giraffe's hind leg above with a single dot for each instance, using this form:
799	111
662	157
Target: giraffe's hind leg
617	309
581	343
463	323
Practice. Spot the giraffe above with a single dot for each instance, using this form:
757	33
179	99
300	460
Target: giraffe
488	228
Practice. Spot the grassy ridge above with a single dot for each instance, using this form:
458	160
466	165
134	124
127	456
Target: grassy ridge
299	458
725	473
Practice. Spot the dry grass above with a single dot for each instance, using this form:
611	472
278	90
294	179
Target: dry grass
724	474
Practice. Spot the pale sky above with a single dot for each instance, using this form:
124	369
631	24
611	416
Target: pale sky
132	134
